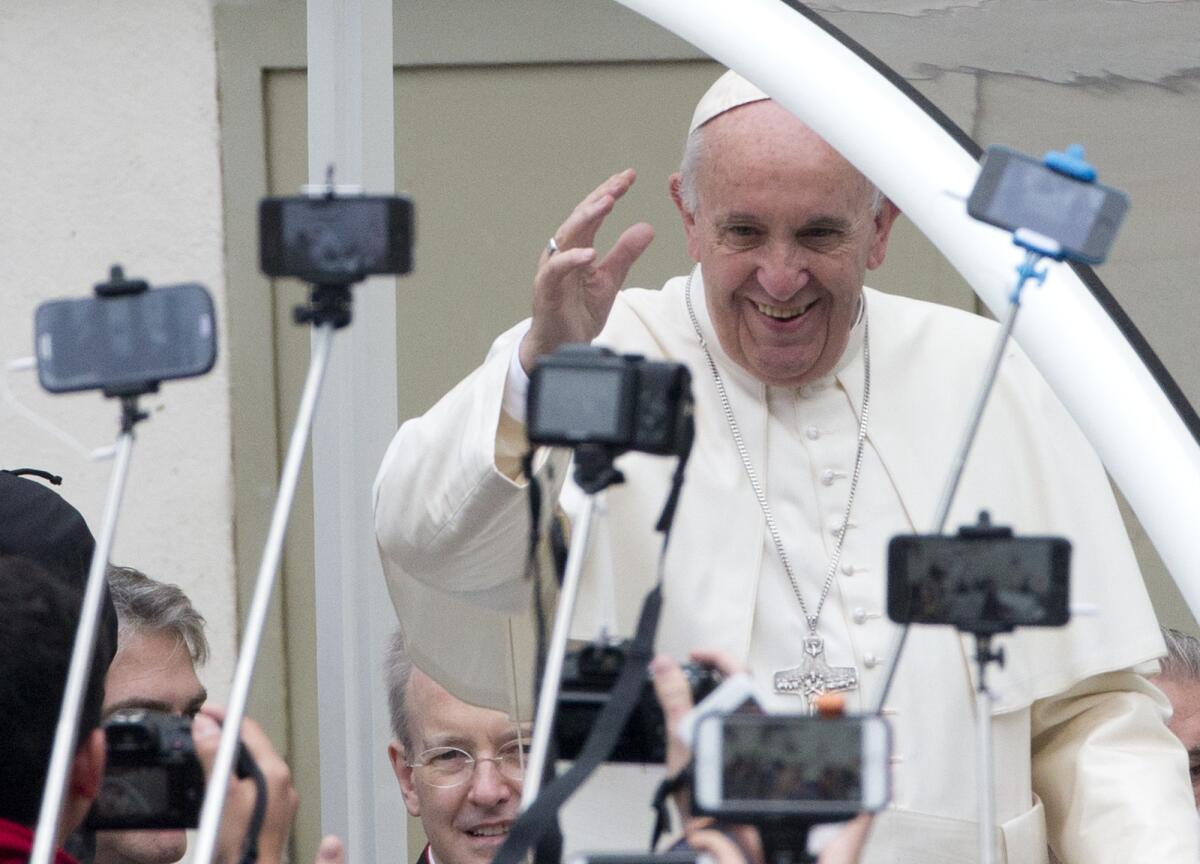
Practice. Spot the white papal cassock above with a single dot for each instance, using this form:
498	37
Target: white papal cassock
1082	757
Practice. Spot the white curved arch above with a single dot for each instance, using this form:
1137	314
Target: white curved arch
1096	373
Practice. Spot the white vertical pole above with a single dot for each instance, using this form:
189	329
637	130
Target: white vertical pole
350	117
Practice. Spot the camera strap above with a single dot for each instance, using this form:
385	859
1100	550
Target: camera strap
600	743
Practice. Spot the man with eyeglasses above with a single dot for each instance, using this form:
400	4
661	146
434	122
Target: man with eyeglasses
459	766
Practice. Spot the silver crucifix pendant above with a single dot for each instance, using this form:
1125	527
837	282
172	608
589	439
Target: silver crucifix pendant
814	676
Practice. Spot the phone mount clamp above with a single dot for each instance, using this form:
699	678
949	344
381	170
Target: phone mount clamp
66	736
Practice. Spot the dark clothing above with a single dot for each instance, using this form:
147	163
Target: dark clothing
423	858
16	844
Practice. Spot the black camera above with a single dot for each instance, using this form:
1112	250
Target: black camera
983	581
333	240
152	779
589	674
584	394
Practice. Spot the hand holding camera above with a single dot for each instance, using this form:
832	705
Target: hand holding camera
240	802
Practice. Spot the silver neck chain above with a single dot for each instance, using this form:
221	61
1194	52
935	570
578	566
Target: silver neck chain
812	618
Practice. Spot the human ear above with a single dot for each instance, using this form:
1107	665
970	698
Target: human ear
884	220
404	774
689	218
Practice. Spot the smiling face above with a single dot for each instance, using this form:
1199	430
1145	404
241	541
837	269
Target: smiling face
465	824
784	229
153	670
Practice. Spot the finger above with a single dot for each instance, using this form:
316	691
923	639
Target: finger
206	737
671	687
581	226
614	187
714	843
215	710
719	660
331	851
844	848
628	248
551	282
585	220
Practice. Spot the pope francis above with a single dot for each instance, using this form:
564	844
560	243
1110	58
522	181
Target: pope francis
827	415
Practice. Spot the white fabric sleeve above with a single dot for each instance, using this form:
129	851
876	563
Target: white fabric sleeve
516	385
1113	778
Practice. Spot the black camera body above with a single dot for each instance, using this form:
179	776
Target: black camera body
335	240
589	674
585	394
152	779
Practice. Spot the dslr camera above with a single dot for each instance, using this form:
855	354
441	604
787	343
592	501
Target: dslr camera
585	394
153	778
589	674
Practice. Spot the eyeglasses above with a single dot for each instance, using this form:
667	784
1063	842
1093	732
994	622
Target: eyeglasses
446	767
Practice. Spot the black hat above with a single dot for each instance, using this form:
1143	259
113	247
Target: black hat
37	523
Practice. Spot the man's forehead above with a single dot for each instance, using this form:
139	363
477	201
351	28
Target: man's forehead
434	711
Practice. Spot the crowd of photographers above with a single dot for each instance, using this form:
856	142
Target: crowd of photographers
459	766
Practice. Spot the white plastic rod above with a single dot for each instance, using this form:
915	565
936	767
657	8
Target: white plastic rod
218	781
66	739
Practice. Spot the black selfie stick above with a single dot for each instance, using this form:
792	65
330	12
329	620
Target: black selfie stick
66	734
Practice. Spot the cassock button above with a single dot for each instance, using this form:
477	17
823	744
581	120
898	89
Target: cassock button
812	433
870	661
859	615
848	569
828	476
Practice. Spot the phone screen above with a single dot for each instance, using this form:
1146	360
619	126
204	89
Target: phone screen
791	764
112	342
1009	581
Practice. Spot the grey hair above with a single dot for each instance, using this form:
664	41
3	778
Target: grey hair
689	169
397	673
145	604
1183	655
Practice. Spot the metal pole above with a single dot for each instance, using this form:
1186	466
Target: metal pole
960	459
543	719
66	735
987	809
218	782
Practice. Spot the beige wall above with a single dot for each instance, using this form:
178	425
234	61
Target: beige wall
110	148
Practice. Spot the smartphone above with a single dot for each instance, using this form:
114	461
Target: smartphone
673	856
752	767
335	241
979	584
113	343
1016	191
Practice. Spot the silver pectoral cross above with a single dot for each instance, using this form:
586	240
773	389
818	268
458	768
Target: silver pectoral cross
814	676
